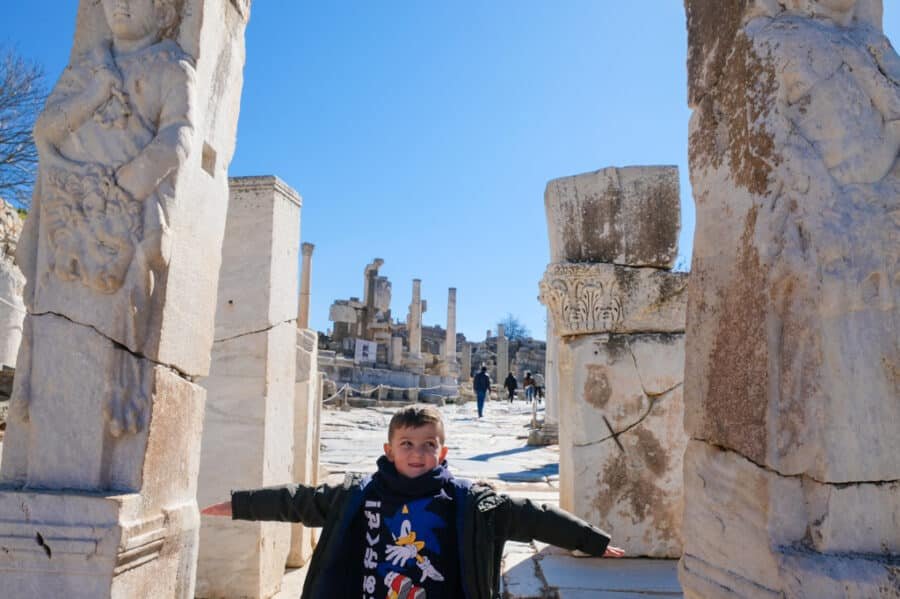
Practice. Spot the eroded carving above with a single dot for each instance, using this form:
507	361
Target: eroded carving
116	128
582	298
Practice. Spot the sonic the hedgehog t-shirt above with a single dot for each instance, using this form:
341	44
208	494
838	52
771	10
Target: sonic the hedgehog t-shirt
408	532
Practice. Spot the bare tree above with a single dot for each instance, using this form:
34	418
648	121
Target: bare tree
514	329
22	95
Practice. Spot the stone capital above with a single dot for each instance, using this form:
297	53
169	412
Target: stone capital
307	248
585	299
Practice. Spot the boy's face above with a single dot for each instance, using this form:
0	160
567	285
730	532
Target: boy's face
415	451
131	19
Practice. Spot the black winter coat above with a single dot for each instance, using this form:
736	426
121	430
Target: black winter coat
489	520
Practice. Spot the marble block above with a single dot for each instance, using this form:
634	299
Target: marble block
629	216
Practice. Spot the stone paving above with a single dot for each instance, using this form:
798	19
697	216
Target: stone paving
493	448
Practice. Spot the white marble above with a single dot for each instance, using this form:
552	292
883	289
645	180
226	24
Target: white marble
791	358
248	433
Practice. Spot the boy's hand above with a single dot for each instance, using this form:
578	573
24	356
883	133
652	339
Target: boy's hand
219	509
614	552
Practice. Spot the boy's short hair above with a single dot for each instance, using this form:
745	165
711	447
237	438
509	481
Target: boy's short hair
415	416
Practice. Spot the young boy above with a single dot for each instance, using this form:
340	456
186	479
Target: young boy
412	529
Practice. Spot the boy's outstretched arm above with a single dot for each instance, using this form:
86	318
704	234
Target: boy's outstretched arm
526	521
286	503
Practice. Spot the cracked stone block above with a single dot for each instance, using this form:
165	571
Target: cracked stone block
792	338
629	216
258	277
789	529
622	437
249	428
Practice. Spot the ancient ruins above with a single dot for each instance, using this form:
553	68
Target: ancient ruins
741	419
792	482
618	316
121	254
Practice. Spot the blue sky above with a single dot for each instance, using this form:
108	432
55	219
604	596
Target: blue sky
424	132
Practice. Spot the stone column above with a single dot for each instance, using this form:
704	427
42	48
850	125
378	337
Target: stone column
451	365
247	431
791	378
121	252
465	369
370	278
305	273
396	352
551	379
618	315
307	400
415	361
502	355
548	434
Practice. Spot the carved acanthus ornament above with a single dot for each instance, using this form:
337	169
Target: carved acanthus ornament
582	298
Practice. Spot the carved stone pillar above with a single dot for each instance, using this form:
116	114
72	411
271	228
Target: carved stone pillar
792	476
305	274
121	252
619	352
247	431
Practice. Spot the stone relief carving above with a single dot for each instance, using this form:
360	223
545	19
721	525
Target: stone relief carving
116	128
582	298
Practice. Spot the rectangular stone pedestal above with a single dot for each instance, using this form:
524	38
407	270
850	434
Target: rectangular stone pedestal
248	432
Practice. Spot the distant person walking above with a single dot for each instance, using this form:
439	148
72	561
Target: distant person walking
529	385
482	385
511	385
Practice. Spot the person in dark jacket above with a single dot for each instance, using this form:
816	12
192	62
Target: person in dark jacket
511	385
481	383
412	529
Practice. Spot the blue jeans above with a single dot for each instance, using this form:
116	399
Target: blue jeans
529	393
479	396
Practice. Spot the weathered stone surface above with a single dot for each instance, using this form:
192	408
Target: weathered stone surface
307	417
121	252
12	285
794	300
785	528
248	433
258	277
114	545
604	298
623	437
627	216
795	320
127	210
